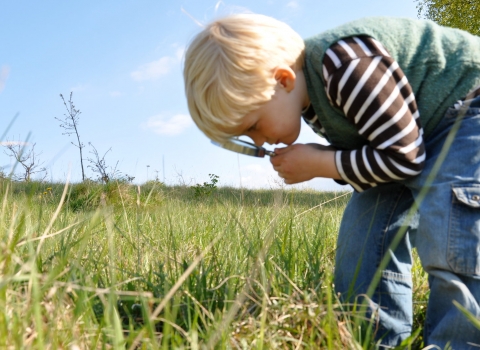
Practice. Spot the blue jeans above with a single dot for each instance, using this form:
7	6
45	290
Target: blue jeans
444	226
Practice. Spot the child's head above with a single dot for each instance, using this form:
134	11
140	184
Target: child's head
229	69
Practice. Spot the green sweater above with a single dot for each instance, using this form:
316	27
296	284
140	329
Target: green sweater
441	64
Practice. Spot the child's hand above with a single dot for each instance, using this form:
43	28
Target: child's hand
303	162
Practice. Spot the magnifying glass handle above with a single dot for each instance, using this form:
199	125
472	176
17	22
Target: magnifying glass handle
244	147
270	153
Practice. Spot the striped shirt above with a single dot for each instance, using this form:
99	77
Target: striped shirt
367	84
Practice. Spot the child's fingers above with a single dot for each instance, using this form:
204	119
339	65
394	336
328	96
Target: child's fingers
281	150
278	158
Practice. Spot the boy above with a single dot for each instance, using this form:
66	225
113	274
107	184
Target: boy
386	93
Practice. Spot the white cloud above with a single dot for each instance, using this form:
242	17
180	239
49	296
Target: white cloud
13	143
264	181
293	4
257	175
4	72
179	53
79	87
115	94
256	168
261	175
153	70
164	125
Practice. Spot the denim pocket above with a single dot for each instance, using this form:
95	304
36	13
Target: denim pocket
464	236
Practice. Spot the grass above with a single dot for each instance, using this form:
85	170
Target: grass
118	266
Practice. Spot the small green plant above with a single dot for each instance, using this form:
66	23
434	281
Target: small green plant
207	188
3	174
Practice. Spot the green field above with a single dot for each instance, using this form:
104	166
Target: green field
118	266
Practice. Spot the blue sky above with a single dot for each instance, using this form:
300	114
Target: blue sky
123	62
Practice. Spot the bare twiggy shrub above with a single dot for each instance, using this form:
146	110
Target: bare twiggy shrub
104	172
28	159
70	124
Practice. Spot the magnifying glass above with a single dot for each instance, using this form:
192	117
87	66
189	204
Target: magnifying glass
244	147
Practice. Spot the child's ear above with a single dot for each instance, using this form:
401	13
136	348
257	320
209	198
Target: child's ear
285	76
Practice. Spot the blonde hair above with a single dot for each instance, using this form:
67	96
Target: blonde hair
229	68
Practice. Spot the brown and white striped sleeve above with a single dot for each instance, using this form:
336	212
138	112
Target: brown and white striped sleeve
364	81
